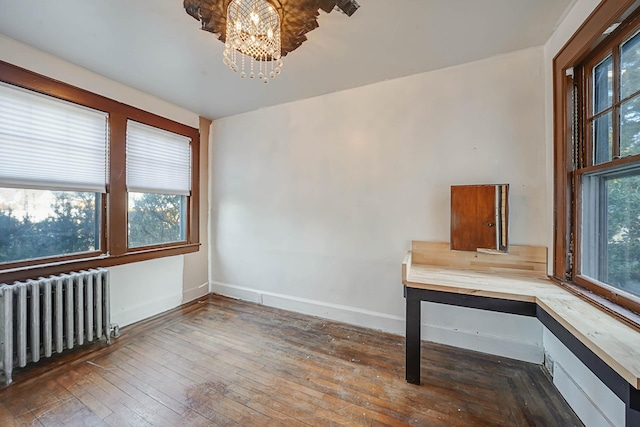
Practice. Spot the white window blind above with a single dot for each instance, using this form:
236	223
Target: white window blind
47	143
158	161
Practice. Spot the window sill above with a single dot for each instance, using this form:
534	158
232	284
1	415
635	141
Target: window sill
52	268
625	315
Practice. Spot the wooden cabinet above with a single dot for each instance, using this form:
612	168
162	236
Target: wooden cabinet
479	217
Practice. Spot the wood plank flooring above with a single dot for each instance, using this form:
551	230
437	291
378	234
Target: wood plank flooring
221	362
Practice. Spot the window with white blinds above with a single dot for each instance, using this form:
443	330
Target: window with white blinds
87	181
158	161
47	143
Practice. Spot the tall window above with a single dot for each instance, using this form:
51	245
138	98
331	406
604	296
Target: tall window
87	181
52	173
610	178
158	184
598	158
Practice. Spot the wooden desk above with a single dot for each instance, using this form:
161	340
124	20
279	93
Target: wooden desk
516	283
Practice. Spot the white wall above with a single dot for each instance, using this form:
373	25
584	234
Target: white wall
315	203
196	264
143	289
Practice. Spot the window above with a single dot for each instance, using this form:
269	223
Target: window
52	172
87	181
610	231
43	223
611	228
158	184
597	150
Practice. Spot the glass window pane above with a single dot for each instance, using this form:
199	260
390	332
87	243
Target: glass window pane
602	138
42	223
156	218
602	85
623	233
630	67
630	127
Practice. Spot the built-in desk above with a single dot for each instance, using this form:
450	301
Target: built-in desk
516	283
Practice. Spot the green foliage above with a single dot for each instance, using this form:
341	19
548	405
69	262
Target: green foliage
623	193
73	226
155	219
70	228
623	227
16	237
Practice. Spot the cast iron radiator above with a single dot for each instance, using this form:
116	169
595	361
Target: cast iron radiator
50	315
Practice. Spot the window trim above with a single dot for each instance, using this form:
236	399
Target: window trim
114	248
567	163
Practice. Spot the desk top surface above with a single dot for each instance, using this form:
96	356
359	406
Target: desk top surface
615	342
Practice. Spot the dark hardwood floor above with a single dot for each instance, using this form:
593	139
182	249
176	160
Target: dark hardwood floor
223	362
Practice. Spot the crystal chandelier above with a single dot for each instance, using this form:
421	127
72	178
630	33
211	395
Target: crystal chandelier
253	36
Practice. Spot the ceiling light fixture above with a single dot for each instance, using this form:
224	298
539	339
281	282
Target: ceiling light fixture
261	31
253	34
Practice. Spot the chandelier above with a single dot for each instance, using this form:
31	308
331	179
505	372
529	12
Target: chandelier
253	35
258	33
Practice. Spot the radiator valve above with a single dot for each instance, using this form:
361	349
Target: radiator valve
115	330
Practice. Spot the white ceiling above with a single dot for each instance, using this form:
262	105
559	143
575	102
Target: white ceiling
154	46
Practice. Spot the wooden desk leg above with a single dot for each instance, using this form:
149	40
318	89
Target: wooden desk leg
413	341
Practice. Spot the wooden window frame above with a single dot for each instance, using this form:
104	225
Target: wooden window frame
114	248
573	150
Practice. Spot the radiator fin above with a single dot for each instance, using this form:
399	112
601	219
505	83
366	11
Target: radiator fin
34	327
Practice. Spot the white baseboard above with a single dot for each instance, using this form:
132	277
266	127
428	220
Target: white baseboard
585	408
236	292
594	403
144	310
195	293
340	313
497	345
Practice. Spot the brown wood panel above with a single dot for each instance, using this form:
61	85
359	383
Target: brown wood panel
223	362
525	260
473	217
